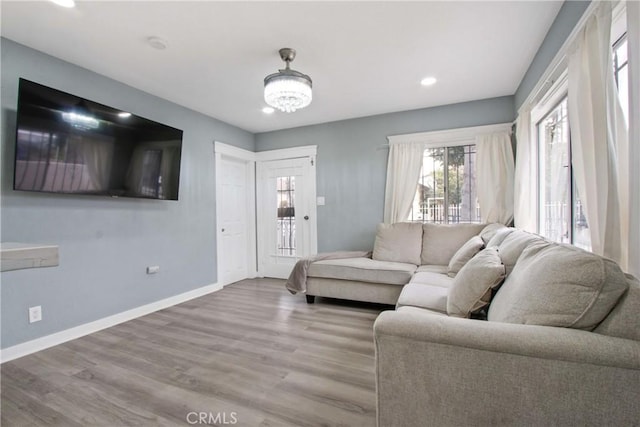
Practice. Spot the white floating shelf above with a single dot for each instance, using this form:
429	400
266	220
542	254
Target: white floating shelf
17	256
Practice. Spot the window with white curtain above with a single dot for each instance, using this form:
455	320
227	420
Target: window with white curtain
560	213
560	210
604	156
446	191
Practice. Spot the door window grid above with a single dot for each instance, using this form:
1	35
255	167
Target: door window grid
286	218
446	190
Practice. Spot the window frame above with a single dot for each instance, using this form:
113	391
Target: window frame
446	190
447	138
562	96
553	93
617	67
556	94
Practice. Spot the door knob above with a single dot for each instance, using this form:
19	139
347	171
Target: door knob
306	217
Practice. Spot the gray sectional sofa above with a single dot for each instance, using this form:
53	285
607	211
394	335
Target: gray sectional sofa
402	253
508	329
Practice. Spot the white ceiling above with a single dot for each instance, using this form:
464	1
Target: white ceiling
364	58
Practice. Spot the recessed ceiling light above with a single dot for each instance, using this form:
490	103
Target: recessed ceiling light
428	81
64	3
157	42
124	115
268	110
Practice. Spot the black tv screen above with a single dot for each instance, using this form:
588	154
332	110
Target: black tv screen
68	144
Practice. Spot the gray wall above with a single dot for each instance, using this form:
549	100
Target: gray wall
567	18
352	162
106	244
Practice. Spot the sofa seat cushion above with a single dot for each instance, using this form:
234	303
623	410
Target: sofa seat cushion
432	278
559	285
419	310
442	269
424	296
440	242
363	270
400	242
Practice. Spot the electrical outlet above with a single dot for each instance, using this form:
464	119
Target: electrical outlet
153	269
35	314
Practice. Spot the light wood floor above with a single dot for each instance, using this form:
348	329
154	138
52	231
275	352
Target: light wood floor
251	352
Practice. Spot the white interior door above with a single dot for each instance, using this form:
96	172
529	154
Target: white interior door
233	217
286	214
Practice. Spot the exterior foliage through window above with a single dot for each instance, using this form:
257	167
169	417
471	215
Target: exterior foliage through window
446	190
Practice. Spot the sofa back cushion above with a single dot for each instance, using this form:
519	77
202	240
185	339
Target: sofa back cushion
400	242
440	242
513	245
558	285
490	230
624	319
471	288
499	236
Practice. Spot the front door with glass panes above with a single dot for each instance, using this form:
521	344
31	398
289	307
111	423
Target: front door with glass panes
286	214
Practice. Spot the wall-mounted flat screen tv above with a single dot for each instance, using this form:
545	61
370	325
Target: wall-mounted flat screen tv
68	144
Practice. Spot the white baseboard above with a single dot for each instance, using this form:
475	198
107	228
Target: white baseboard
250	275
29	347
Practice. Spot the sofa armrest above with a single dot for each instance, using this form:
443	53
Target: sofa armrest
452	371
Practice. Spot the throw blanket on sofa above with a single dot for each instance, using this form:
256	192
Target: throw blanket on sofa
297	281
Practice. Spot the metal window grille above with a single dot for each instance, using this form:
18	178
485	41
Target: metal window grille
46	161
446	191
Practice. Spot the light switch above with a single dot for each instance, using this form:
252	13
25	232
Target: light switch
320	201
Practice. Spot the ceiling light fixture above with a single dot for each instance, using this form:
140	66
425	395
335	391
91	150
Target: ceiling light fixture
65	3
428	81
124	115
287	90
268	110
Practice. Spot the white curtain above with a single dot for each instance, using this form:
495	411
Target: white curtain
133	179
495	177
403	171
599	138
633	40
97	157
525	206
170	169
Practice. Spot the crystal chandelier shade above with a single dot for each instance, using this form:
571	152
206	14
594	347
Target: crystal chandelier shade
287	90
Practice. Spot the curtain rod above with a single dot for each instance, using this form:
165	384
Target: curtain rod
448	136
